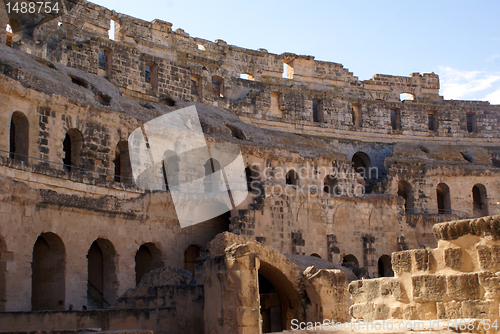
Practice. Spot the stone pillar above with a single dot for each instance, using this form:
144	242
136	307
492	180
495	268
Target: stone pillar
232	292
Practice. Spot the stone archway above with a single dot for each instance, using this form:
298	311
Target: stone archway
48	272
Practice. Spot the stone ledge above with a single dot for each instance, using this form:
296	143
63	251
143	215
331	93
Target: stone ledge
485	226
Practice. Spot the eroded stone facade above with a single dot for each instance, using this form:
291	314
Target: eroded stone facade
338	168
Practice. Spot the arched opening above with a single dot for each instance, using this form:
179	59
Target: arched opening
405	190
147	258
279	301
316	255
47	275
270	306
292	178
361	163
170	169
330	185
19	137
246	76
406	96
3	272
190	255
123	168
101	289
385	266
479	197
253	175
212	176
72	146
443	198
350	261
12	30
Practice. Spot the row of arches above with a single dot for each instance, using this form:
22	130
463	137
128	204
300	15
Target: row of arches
48	283
384	265
443	199
19	135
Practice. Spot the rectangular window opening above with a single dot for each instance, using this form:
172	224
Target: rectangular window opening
432	122
395	119
356	114
151	75
317	110
276	104
104	66
471	123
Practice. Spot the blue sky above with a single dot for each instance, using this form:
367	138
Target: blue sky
459	40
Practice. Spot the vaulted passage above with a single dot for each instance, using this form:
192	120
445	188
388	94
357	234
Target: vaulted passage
190	255
147	258
405	190
48	269
479	198
123	169
443	198
385	266
101	289
270	306
72	146
361	163
19	137
292	178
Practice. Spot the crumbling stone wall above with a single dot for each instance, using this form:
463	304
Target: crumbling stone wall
457	280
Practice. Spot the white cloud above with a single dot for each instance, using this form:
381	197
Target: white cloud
469	85
494	97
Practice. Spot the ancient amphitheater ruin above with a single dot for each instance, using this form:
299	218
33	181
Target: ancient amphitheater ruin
360	206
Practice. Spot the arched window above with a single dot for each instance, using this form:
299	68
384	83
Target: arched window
253	175
48	269
292	178
72	146
443	198
190	255
480	202
19	137
361	163
212	176
385	266
350	261
170	169
405	190
330	185
101	289
123	168
316	255
147	258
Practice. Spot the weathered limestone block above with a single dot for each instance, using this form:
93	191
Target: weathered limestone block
489	257
453	258
426	310
490	283
401	262
429	288
407	312
485	226
471	309
370	311
463	286
423	259
364	291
